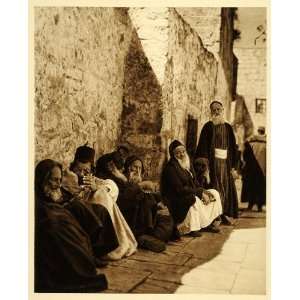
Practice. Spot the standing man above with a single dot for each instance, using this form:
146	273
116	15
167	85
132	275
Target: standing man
217	144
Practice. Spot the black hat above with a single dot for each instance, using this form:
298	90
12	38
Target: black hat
173	146
117	159
85	154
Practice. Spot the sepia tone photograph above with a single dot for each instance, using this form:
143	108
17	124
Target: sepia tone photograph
150	150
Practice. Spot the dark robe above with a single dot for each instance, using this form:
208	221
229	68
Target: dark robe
96	221
63	255
208	141
64	260
254	179
140	210
179	187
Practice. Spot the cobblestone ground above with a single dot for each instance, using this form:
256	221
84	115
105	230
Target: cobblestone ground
231	262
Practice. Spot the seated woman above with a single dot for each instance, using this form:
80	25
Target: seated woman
100	197
192	207
139	208
64	259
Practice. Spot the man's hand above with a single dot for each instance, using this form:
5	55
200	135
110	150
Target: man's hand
205	198
234	174
210	195
90	182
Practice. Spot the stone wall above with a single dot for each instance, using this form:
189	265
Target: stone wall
251	52
252	80
215	27
206	21
79	75
142	114
190	80
195	76
227	58
242	121
113	75
180	78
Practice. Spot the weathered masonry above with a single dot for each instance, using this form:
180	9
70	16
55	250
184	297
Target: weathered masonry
141	76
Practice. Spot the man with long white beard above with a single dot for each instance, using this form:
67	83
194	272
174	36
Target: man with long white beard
192	207
64	259
217	144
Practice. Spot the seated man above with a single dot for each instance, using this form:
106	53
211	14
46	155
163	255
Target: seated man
116	240
154	223
64	259
191	206
138	207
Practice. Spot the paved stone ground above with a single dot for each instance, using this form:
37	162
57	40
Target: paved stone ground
232	262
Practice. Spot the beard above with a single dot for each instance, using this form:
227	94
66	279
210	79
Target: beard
184	162
217	119
54	194
135	177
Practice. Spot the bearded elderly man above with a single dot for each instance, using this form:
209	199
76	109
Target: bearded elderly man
192	207
217	144
64	258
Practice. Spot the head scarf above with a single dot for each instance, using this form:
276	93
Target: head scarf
42	173
173	146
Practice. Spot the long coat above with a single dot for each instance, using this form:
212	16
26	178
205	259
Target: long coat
179	188
138	208
206	149
254	179
64	258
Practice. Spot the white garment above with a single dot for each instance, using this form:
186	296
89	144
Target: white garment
106	195
220	153
201	215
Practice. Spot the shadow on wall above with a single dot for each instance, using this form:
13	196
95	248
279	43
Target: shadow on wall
141	119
